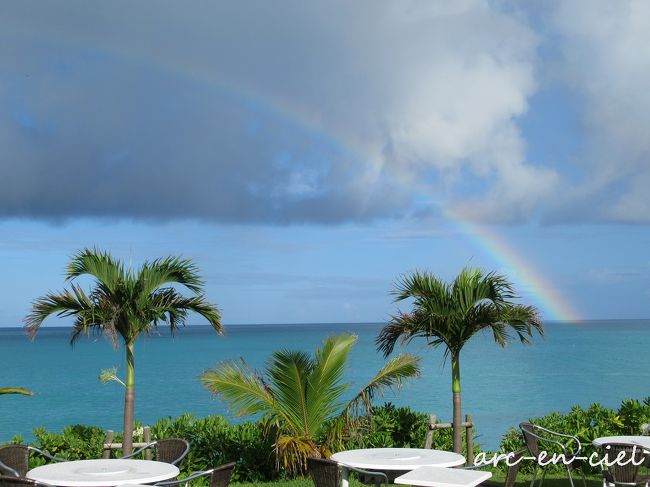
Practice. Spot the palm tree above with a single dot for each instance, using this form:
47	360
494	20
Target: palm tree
300	396
124	304
16	390
449	314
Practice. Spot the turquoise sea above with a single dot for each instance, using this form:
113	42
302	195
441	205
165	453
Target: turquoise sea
576	363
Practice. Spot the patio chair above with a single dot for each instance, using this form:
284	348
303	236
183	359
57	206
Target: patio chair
169	450
534	435
11	481
219	477
14	459
327	473
627	471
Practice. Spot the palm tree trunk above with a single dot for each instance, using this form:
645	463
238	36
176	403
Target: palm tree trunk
455	389
129	400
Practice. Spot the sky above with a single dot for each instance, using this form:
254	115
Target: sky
307	154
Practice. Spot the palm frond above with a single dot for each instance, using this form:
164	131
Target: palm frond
291	452
110	375
289	373
240	388
62	304
84	327
401	329
170	306
524	320
169	270
98	264
325	384
424	288
391	376
16	390
452	314
502	289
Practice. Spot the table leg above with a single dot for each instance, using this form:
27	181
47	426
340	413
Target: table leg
345	474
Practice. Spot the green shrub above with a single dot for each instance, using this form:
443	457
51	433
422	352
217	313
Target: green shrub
76	442
399	427
215	440
586	424
633	414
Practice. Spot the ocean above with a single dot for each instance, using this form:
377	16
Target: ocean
574	364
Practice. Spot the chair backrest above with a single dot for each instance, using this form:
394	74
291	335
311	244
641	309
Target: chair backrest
624	472
220	476
513	470
15	457
530	437
171	450
11	481
324	472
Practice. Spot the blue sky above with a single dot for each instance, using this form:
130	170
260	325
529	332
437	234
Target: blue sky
306	155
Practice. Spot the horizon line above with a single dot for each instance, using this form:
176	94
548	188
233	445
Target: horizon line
581	321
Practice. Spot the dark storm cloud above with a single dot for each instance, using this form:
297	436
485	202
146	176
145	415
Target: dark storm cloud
104	137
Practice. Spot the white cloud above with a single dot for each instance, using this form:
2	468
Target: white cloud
519	189
607	62
373	103
614	276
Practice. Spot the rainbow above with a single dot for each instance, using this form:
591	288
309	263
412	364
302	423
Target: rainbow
525	273
553	305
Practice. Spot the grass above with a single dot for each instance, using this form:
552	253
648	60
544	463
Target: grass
523	480
551	480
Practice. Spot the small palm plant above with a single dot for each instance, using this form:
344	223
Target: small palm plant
300	397
449	314
125	304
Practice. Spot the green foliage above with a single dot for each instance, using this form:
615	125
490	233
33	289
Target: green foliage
215	440
393	427
301	396
389	426
586	424
76	442
633	414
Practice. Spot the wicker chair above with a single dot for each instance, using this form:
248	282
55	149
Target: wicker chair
11	481
628	473
219	476
534	435
327	473
169	450
14	459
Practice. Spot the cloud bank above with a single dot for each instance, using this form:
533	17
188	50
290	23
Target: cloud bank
325	112
607	63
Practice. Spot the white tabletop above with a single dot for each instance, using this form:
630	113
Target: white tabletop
397	458
643	441
103	473
443	477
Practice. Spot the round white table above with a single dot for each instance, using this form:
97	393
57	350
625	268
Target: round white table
103	473
400	459
642	441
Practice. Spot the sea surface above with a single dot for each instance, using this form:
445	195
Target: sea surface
574	364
